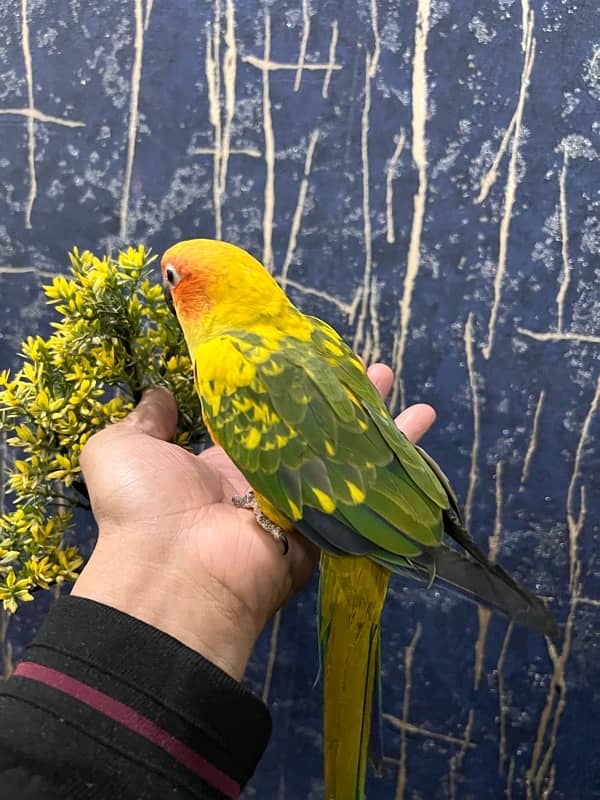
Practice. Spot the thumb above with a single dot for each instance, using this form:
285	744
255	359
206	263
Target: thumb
155	414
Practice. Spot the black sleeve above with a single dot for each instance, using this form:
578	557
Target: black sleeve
104	706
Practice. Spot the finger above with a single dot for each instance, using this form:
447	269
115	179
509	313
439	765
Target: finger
415	421
304	556
155	414
382	378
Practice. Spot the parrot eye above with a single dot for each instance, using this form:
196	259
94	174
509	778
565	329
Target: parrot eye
171	275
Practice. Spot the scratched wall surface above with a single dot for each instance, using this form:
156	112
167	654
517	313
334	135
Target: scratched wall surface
425	176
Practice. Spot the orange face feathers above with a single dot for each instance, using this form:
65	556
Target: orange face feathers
216	286
215	270
187	274
189	285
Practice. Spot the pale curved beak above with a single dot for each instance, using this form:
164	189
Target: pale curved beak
169	298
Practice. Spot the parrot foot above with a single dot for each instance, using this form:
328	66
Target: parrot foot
249	501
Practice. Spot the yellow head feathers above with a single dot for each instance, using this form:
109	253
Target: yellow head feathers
217	287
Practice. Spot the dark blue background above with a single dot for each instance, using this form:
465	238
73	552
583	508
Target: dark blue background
82	70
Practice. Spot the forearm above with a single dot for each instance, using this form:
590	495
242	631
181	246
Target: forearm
104	705
191	607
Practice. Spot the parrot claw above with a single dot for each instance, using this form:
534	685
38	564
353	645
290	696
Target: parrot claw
249	501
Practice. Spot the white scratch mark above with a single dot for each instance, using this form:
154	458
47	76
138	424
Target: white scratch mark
222	129
588	601
149	4
297	218
419	153
364	291
251	152
417	730
363	303
456	761
389	186
534	437
265	65
376	38
303	44
43	273
30	119
473	379
491	176
212	70
510	191
489	179
229	77
32	115
36	114
540	775
269	154
524	19
556	700
564	247
510	778
136	74
502	698
575	521
375	343
484	614
409	655
554	336
346	308
331	60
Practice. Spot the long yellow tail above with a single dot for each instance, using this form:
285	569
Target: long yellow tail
352	593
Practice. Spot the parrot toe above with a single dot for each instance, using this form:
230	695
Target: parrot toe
249	501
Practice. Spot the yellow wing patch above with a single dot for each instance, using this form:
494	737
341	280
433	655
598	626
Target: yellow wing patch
356	493
261	412
333	349
252	439
242	404
272	369
221	368
326	503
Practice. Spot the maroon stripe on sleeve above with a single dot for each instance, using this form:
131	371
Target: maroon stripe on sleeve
128	717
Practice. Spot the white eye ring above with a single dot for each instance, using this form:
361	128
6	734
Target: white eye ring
171	275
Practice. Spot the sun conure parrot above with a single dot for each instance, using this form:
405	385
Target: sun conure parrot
292	406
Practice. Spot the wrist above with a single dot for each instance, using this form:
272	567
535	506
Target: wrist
195	609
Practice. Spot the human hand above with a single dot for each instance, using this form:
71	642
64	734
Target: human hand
172	549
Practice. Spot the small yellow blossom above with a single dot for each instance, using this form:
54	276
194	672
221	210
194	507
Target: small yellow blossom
113	337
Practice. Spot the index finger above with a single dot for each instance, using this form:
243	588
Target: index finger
415	421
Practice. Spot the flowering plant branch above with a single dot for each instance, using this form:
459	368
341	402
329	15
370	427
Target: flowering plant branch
115	336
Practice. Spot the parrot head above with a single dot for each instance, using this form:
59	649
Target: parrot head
214	287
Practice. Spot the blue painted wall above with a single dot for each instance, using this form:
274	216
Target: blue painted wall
425	176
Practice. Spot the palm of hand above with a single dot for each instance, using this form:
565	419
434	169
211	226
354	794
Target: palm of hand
174	509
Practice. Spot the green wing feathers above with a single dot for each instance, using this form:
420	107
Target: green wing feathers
302	421
312	436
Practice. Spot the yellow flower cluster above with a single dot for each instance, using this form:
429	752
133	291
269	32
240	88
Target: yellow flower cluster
115	336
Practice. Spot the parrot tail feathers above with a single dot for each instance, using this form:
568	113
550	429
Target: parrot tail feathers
480	582
491	586
376	733
350	644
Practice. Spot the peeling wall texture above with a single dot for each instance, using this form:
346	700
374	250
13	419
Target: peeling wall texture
425	176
